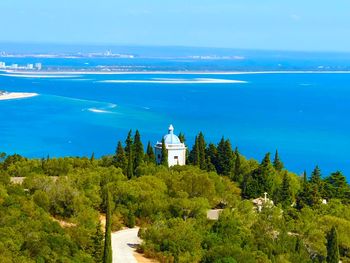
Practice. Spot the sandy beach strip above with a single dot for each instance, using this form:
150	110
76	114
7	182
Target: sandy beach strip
17	95
79	72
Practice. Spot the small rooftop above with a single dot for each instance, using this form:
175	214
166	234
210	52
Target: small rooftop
171	138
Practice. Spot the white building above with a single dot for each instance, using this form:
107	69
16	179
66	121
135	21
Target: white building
30	66
38	66
2	65
175	148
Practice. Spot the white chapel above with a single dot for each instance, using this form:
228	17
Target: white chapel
176	149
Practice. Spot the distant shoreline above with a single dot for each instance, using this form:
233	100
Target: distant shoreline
17	95
80	72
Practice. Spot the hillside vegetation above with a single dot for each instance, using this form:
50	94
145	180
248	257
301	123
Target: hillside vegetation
53	216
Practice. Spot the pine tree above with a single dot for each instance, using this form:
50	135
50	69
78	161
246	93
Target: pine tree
150	156
129	155
119	159
332	246
316	182
316	176
260	180
336	186
107	254
138	150
164	160
277	162
285	192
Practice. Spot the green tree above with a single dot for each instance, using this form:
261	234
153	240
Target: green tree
237	176
336	186
138	150
277	163
211	153
119	159
305	181
224	163
316	181
107	253
201	151
129	155
260	180
182	137
316	176
98	243
164	159
332	246
285	191
194	154
150	156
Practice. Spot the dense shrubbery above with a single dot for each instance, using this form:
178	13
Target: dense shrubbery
54	215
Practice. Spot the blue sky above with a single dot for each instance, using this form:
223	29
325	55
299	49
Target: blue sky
249	24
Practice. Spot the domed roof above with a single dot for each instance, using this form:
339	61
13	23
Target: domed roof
171	138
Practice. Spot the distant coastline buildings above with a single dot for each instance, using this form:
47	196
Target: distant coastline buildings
176	150
29	66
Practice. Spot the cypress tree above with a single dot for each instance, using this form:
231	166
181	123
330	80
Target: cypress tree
201	151
107	253
130	167
266	161
92	158
332	246
150	156
237	167
164	160
224	157
277	162
98	243
304	178
182	137
120	159
129	155
138	150
211	153
194	154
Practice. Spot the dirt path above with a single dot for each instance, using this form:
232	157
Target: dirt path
124	244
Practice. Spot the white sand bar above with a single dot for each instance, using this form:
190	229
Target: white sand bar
16	95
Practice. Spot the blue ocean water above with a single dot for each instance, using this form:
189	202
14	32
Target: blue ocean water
304	116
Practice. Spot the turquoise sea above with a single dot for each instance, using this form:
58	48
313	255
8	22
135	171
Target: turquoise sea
303	115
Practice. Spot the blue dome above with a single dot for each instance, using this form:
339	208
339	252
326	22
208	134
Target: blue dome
171	138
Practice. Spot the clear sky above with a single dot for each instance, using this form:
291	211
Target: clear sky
249	24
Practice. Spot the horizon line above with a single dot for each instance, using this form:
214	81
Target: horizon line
132	45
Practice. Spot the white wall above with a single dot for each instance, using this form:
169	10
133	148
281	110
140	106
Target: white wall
180	153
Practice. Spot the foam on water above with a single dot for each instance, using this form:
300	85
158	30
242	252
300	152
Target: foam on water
175	81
